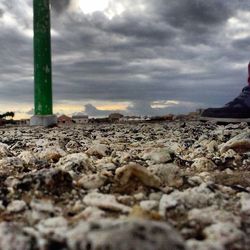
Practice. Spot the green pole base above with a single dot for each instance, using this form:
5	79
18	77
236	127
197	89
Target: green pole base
43	120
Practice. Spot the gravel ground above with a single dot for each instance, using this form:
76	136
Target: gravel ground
176	185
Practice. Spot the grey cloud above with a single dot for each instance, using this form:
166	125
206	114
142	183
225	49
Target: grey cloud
1	12
60	5
193	14
141	27
197	20
242	44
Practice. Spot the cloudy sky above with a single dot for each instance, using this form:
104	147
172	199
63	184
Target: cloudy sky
133	56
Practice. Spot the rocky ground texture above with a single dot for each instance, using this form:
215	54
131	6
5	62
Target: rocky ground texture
170	186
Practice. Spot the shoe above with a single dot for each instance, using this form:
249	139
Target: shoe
237	110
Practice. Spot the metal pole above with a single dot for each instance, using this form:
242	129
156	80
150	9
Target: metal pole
42	65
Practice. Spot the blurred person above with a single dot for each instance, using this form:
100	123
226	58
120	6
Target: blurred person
238	110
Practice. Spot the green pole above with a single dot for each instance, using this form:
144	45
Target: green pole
42	58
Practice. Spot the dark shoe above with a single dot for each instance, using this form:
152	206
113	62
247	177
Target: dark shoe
237	110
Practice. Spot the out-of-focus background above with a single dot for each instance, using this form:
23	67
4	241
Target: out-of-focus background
134	57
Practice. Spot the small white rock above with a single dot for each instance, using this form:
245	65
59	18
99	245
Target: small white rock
226	233
245	203
149	205
28	157
16	206
105	201
158	155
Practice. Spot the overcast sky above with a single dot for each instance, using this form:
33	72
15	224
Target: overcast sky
133	56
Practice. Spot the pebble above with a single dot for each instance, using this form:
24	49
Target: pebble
93	181
204	245
211	215
52	154
125	173
203	164
13	238
197	197
158	155
105	201
28	157
239	143
149	205
129	234
224	232
98	150
245	203
75	164
169	174
16	206
4	151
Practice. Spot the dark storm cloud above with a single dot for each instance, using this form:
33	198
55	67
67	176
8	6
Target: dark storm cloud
242	44
193	13
141	27
196	20
60	5
177	50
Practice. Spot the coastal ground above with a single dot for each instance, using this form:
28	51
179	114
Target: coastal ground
173	185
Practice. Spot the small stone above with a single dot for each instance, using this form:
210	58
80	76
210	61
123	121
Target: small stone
138	212
149	205
203	164
228	171
159	155
90	214
124	174
212	215
224	232
93	181
53	181
126	200
139	196
212	146
51	225
195	180
12	237
155	196
98	150
169	174
4	151
166	203
41	210
52	154
16	206
239	143
105	201
245	203
2	207
106	166
204	245
75	164
129	234
11	165
28	157
42	206
197	197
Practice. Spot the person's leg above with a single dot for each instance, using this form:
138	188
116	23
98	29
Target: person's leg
237	110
